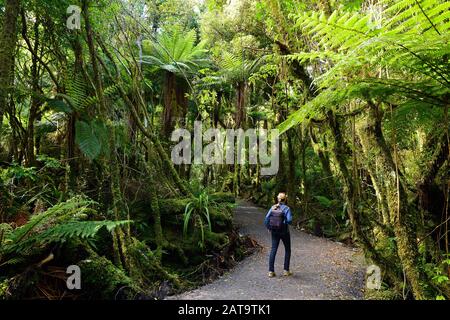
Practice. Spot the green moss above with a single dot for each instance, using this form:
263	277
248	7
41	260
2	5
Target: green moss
216	240
4	289
221	197
146	267
385	294
221	218
173	206
101	279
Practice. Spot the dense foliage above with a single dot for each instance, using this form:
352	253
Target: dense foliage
359	89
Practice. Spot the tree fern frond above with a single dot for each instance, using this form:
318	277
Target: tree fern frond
70	209
87	140
61	233
76	90
107	92
417	16
175	51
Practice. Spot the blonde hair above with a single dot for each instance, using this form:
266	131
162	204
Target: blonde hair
281	197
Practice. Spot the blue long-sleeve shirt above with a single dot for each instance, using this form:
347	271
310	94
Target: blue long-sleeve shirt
287	215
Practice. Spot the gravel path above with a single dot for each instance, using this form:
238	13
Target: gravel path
322	269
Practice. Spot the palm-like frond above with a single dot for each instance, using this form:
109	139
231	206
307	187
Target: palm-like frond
55	225
175	51
236	69
400	59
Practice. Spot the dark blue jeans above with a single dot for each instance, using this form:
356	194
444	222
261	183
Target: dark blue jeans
286	238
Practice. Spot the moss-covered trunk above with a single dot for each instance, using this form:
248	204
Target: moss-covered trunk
339	154
240	105
8	40
403	218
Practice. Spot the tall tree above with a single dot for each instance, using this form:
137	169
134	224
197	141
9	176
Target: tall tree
8	42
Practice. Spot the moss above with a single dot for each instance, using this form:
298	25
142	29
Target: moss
101	279
146	267
220	218
173	206
221	197
20	286
215	240
177	206
4	289
384	294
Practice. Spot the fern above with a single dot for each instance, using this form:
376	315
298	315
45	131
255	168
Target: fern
74	208
235	69
5	231
197	210
92	138
411	43
175	51
77	97
418	16
58	224
76	92
61	233
107	92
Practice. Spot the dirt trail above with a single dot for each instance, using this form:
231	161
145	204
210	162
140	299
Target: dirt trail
322	269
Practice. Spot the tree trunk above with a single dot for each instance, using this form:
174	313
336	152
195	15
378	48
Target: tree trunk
324	160
29	142
92	50
240	105
367	132
8	40
292	183
348	185
338	151
169	103
402	217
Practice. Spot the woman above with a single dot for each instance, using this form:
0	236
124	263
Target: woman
277	221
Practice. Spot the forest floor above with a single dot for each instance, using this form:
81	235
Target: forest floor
322	269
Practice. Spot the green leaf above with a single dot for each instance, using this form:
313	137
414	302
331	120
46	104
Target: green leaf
87	140
324	201
59	105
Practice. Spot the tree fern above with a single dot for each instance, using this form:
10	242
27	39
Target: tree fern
76	91
55	225
61	233
76	97
107	92
74	208
92	138
87	140
390	63
175	51
235	69
417	16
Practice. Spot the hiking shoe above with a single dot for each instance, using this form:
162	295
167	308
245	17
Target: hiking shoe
272	274
287	273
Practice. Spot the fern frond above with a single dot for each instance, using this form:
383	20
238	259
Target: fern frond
107	92
92	138
175	51
61	233
76	207
76	91
417	16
